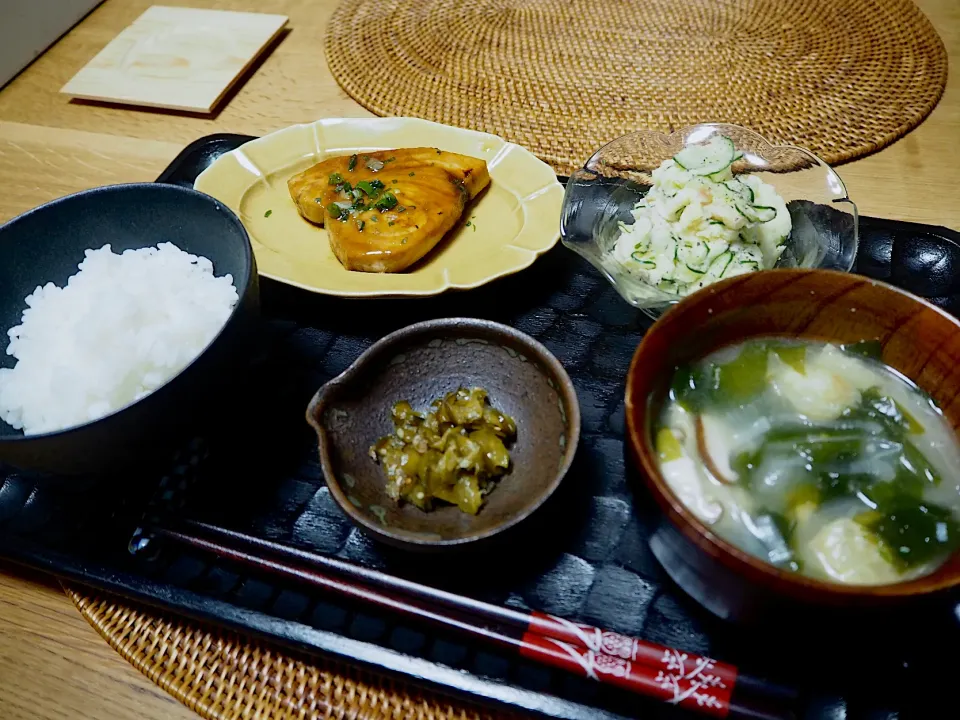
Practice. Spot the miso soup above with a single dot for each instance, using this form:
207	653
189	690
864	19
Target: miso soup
816	458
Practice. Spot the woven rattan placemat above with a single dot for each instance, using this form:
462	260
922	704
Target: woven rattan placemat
563	77
223	676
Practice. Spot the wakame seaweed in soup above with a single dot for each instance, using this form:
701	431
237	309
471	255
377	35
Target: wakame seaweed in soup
814	457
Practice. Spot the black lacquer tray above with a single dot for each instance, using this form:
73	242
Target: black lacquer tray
585	556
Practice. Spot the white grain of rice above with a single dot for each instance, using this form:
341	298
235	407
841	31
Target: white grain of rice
120	328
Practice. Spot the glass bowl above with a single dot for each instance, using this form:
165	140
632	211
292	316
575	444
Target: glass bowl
602	194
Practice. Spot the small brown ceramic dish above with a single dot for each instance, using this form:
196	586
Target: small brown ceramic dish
421	363
918	339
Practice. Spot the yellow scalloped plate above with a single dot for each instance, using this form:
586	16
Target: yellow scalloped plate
516	219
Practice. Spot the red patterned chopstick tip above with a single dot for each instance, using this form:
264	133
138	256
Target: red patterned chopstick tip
685	679
688	680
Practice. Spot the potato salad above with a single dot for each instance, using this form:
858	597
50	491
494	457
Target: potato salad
699	224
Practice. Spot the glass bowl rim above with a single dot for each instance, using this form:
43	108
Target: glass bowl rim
843	196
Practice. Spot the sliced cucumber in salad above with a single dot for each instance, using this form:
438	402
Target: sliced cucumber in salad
746	204
712	159
709	158
740	190
699	223
756	213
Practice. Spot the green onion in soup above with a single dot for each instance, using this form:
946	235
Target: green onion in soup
816	458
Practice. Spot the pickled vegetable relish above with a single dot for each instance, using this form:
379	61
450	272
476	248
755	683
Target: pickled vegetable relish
453	453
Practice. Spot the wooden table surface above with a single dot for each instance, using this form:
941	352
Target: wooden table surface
52	664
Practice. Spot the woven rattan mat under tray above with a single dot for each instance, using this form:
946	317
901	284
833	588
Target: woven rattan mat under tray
221	675
563	77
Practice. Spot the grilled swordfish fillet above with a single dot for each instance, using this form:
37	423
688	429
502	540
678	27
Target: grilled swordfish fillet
385	210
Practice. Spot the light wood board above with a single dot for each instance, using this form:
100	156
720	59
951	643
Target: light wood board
176	58
54	666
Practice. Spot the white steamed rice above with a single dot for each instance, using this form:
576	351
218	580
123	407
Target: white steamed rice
122	326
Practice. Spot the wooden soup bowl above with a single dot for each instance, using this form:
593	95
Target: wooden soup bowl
918	339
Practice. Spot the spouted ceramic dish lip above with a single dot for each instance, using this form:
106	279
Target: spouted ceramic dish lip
419	363
828	306
603	192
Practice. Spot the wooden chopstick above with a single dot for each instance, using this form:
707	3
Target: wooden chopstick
700	684
543	624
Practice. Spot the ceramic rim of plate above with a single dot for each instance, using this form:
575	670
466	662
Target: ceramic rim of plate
518	215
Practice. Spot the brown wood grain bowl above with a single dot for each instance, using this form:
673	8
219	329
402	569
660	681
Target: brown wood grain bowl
421	363
918	339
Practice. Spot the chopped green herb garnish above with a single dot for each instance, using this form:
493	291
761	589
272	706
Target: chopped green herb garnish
403	242
390	224
336	212
353	163
360	225
390	159
438	152
386	202
268	213
394	181
401	209
369	187
335	178
468	223
411	174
